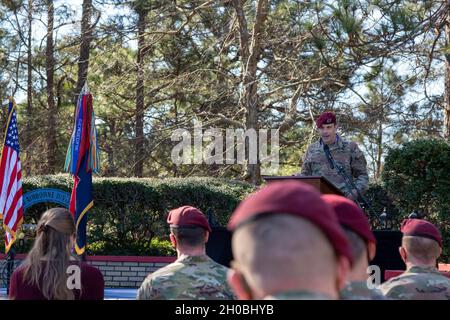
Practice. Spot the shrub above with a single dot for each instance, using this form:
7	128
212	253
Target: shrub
379	200
417	177
129	215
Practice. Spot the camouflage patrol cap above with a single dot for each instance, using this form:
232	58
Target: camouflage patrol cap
350	216
297	199
187	216
326	118
421	228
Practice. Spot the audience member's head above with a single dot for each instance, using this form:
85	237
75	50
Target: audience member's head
357	229
189	230
47	262
286	239
421	243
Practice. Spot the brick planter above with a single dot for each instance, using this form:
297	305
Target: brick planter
118	271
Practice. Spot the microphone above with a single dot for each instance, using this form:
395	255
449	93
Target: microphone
326	149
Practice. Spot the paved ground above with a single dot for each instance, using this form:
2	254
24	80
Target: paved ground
3	295
110	294
120	294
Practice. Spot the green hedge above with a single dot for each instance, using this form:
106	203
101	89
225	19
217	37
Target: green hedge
417	177
379	200
129	215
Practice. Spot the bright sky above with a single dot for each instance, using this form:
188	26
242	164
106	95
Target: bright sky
69	27
72	27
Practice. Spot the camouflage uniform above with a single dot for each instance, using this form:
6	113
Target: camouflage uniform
358	290
344	153
418	283
298	295
188	278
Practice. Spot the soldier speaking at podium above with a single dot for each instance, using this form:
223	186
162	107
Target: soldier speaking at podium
336	159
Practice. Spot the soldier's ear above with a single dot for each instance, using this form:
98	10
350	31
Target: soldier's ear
372	250
239	285
206	236
403	254
173	240
342	272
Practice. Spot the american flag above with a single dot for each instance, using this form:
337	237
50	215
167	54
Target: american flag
11	205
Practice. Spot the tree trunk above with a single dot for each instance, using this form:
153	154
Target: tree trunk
110	169
108	147
447	80
59	92
139	116
250	53
175	110
28	128
379	148
52	112
86	39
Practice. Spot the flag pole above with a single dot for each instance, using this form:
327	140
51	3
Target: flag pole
9	266
85	88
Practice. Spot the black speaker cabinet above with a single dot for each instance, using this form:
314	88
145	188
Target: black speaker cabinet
388	257
218	246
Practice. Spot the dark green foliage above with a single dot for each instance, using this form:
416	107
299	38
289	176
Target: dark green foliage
417	177
129	215
380	201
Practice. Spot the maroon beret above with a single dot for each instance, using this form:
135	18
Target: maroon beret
421	228
350	216
326	118
295	198
187	216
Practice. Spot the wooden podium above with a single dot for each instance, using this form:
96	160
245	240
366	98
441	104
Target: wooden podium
320	183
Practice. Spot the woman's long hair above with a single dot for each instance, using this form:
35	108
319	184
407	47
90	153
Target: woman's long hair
47	262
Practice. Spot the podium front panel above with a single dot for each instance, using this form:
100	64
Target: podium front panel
322	184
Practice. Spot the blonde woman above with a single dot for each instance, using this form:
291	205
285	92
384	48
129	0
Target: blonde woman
50	272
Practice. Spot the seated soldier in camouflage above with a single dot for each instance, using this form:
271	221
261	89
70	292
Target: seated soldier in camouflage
288	245
194	275
363	244
421	247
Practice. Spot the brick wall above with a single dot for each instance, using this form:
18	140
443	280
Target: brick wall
127	272
444	267
118	271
